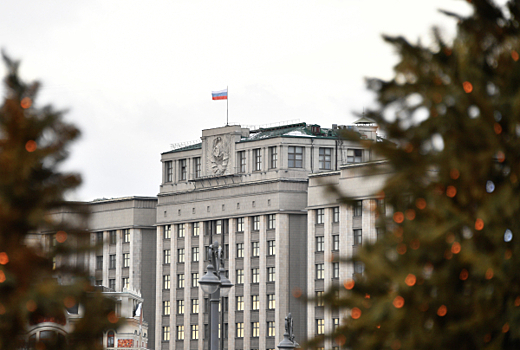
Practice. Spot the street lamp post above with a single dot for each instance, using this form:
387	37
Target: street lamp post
215	284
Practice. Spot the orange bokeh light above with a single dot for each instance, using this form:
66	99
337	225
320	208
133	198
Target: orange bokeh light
489	273
501	156
2	309
410	280
297	292
498	128
464	274
451	191
505	328
415	244
61	236
355	313
398	217
31	306
514	55
26	102
442	310
455	248
398	302
517	301
420	203
30	146
454	173
112	317
401	248
341	340
69	302
508	254
2	276
479	224
410	214
349	284
468	87
4	259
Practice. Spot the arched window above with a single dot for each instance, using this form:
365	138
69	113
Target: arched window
110	339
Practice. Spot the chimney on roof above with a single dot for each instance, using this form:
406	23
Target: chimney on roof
315	129
334	126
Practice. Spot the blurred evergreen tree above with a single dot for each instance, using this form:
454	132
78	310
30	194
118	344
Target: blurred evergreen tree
446	273
33	142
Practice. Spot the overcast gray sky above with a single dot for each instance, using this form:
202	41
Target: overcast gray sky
137	76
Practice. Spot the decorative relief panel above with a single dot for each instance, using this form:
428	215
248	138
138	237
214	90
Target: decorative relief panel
218	155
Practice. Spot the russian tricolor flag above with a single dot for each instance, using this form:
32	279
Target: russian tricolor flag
219	95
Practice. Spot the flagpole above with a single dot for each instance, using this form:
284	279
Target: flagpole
227	106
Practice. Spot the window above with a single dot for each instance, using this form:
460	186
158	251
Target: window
180	255
240	303
320	243
240	225
255	249
271	247
180	307
320	216
335	270
99	237
180	332
240	276
195	279
112	283
126	259
320	326
180	230
241	162
325	158
354	155
271	274
240	250
113	237
320	271
358	237
255	329
194	332
271	329
240	330
125	281
167	231
112	262
218	227
194	306
126	236
271	221
197	169
358	208
381	206
166	281
271	301
255	302
180	280
273	157
110	339
168	171
182	169
166	256
99	262
335	242
295	157
196	229
335	324
195	254
255	275
256	223
257	159
335	214
166	307
166	333
379	233
319	299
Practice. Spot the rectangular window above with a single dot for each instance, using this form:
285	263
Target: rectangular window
112	262
195	254
358	208
335	242
240	276
335	270
194	332
335	214
168	171
271	221
218	227
126	259
325	158
112	283
255	275
379	233
257	159
99	262
255	249
240	330
197	168
335	324
195	279
167	231
180	230
271	274
255	302
166	308
180	307
99	237
126	236
273	157
255	329
241	159
125	282
194	306
240	303
295	157
319	299
320	271
320	216
354	155
271	329
381	207
358	237
320	244
271	248
166	281
196	229
271	301
256	223
113	237
240	250
320	326
166	256
240	224
180	280
180	332
182	170
180	255
166	333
